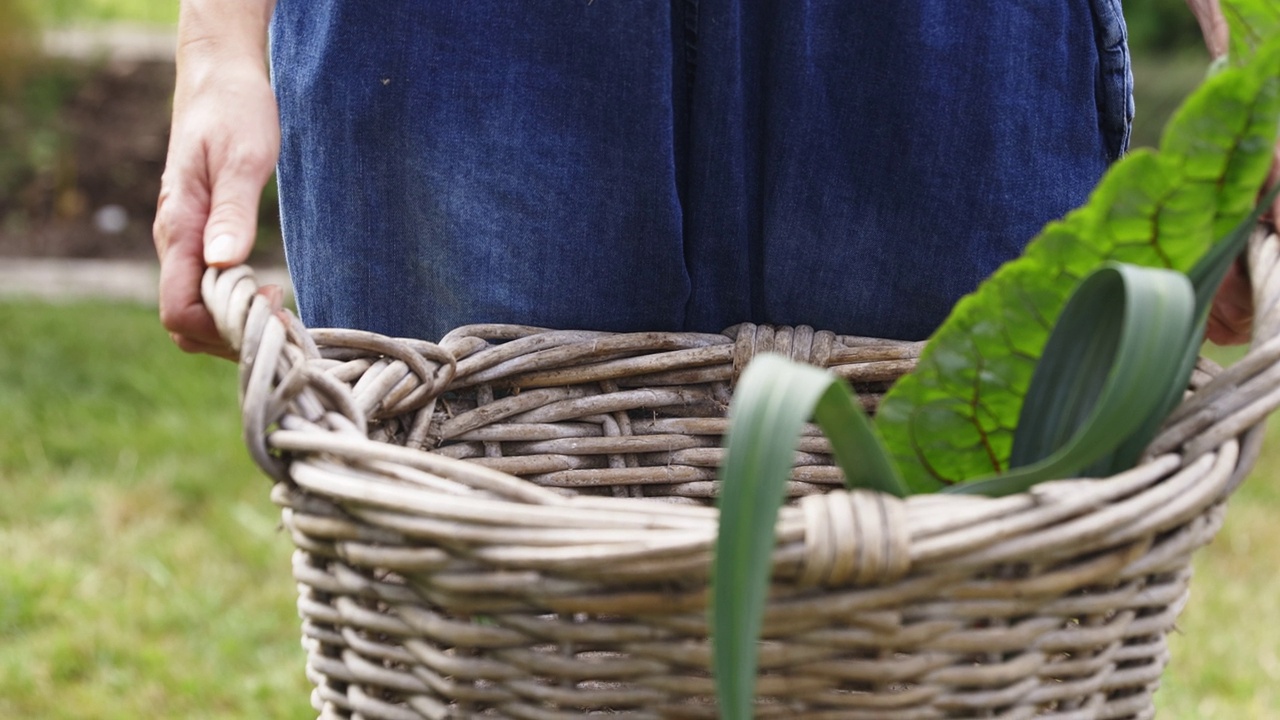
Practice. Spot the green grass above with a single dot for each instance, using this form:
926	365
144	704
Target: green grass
141	570
1226	659
1226	655
142	573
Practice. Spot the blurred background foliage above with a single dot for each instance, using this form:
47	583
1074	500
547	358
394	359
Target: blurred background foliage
1169	60
1161	27
66	12
83	127
31	93
17	31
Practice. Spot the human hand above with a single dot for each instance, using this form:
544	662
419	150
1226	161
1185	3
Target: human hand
223	145
1231	315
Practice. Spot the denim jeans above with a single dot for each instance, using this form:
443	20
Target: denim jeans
624	165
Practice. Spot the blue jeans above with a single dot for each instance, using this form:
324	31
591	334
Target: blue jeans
681	165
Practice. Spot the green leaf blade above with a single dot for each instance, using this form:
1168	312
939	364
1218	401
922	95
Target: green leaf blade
856	444
773	400
1106	369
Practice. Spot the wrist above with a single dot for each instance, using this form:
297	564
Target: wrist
215	32
221	44
1213	25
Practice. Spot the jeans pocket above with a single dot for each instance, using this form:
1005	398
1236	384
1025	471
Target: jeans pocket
1115	76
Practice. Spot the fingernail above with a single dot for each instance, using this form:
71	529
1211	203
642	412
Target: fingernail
220	250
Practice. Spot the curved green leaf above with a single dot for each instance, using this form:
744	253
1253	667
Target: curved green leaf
769	407
855	442
773	400
1106	368
953	419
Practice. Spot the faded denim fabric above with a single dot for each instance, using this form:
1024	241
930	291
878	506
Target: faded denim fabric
639	165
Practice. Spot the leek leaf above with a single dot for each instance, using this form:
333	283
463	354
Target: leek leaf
1105	370
855	442
773	400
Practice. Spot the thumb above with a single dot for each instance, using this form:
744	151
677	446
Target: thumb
233	216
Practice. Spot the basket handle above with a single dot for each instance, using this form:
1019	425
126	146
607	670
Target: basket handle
283	368
1235	402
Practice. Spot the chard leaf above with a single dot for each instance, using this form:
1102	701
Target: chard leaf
1115	366
773	399
953	418
1251	23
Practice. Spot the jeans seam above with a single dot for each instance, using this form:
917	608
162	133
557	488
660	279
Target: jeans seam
1115	99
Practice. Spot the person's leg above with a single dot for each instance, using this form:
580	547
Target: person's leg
447	163
859	166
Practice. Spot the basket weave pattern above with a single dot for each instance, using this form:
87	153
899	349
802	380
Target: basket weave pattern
517	523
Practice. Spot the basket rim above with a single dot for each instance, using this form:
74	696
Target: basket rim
1203	453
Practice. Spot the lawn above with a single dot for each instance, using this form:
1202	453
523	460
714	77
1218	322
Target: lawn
141	570
142	573
1226	659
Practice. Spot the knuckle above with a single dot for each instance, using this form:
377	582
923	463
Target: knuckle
170	321
163	232
161	226
162	207
251	160
173	217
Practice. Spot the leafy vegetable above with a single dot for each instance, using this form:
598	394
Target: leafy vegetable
1123	345
1252	23
953	419
1086	398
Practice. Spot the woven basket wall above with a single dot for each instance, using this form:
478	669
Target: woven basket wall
517	523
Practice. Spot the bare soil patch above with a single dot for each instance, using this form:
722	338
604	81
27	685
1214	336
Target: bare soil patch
87	148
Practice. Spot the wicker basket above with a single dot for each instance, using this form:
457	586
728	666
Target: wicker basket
517	523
